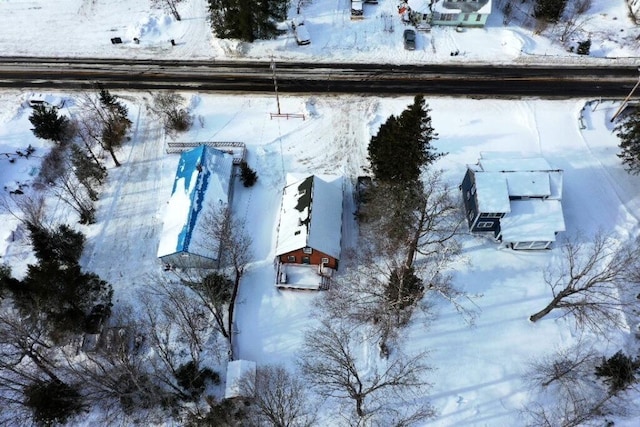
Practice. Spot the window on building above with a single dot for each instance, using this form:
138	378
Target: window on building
478	18
465	17
491	215
291	258
307	250
484	224
325	260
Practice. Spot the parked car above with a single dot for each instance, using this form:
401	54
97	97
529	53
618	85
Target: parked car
356	9
409	37
300	31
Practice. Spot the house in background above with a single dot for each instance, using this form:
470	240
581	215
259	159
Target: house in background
202	187
458	13
517	200
310	228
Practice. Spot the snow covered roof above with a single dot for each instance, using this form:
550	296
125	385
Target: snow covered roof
201	186
518	177
462	6
532	220
239	371
311	215
492	192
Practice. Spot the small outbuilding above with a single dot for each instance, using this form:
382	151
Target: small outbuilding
241	378
202	188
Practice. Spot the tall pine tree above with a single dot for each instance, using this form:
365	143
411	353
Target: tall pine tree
247	20
402	146
47	124
629	133
549	10
116	123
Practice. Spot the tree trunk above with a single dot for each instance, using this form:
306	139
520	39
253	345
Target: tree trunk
232	305
552	305
113	156
360	406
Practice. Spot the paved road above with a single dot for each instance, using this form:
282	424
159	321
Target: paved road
298	77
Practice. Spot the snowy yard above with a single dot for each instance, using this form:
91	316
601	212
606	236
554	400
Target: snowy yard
477	378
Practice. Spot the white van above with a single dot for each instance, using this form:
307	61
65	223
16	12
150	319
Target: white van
300	30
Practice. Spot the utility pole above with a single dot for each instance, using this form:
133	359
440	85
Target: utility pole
624	103
275	83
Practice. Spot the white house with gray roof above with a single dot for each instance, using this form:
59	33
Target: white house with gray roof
517	199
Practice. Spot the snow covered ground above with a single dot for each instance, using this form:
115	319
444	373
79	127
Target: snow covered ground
477	378
85	27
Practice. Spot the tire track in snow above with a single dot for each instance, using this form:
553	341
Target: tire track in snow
130	222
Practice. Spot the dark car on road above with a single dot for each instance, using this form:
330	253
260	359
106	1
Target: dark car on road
409	37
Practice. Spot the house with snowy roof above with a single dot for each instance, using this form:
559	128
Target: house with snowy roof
201	188
518	200
462	13
310	227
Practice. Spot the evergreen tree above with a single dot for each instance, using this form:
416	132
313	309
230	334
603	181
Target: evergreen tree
402	146
584	47
47	124
52	402
618	371
247	20
629	133
116	123
62	245
247	175
56	287
404	289
549	10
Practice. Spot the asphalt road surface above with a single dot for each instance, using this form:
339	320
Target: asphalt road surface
307	77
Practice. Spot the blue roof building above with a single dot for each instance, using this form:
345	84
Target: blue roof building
201	189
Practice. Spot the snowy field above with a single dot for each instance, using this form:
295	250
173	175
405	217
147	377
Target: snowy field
85	27
477	377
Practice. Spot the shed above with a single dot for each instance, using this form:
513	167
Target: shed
202	187
241	378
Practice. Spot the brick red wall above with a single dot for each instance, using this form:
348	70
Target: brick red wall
315	258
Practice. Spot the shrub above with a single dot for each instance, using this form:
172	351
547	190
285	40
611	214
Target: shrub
584	47
52	166
52	401
193	380
179	120
618	371
247	175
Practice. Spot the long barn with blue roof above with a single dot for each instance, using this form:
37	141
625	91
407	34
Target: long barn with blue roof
201	189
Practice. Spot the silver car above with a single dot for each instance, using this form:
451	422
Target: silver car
409	37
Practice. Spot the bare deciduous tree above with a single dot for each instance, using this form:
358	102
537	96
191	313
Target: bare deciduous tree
168	106
566	393
171	6
73	193
226	236
379	391
280	398
588	281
